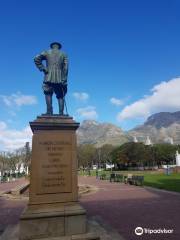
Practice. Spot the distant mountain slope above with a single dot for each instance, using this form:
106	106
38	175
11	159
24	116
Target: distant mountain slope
160	127
93	132
163	119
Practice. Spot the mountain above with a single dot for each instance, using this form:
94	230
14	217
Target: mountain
93	132
160	127
163	119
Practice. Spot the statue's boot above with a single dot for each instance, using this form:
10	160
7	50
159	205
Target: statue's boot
48	98
61	106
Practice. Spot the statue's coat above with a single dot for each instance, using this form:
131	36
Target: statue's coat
56	66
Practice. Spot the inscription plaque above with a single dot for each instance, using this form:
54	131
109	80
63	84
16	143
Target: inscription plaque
54	167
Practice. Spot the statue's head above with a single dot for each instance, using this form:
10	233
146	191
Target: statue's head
55	45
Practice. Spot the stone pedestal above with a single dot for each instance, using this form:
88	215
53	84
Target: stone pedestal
53	208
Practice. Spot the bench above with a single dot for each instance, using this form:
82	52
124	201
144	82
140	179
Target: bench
103	176
116	177
138	180
135	180
128	178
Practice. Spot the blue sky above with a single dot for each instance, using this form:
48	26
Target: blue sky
118	52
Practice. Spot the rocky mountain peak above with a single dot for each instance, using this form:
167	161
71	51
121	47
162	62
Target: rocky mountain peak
160	127
89	123
93	132
163	119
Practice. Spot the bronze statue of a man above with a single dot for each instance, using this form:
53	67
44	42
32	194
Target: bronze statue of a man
55	75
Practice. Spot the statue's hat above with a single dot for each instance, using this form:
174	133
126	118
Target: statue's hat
57	43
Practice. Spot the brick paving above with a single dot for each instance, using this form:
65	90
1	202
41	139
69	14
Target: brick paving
125	207
10	210
122	207
7	186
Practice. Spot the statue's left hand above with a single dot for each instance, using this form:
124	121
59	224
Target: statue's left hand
45	71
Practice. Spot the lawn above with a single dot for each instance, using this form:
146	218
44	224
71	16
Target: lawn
162	181
151	178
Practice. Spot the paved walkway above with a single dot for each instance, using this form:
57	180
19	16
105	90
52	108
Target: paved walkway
7	186
126	207
119	206
10	210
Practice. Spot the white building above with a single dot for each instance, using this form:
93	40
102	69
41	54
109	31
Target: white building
148	141
135	139
109	166
177	159
169	140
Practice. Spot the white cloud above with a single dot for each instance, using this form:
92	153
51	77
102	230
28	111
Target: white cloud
18	99
116	101
87	112
2	125
11	139
82	96
164	97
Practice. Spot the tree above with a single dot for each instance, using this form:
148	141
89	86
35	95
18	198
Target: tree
85	155
103	154
27	155
10	161
164	153
3	162
133	154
